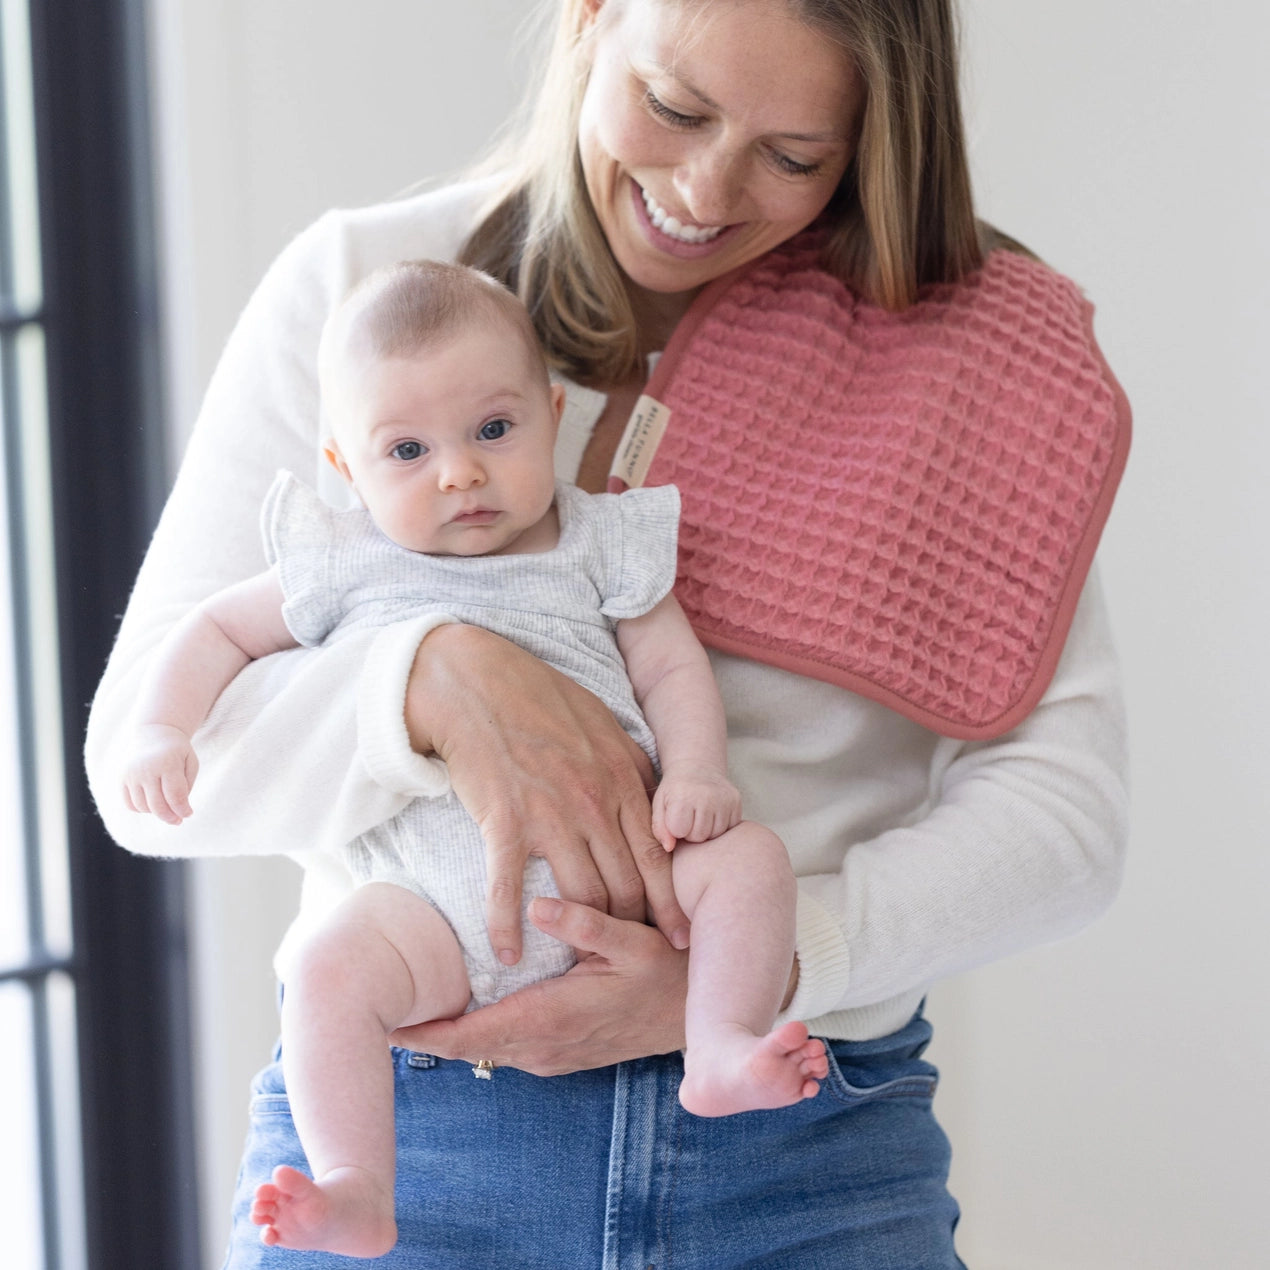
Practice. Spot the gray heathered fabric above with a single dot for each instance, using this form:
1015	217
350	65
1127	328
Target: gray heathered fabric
615	560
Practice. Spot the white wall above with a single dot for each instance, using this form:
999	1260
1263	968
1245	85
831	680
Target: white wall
1104	1096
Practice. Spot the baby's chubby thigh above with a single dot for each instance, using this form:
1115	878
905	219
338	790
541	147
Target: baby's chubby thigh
384	955
440	848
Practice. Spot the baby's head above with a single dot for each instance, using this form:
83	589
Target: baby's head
440	411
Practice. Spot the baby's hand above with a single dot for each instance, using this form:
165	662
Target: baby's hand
161	772
694	805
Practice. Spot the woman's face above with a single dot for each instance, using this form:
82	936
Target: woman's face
710	132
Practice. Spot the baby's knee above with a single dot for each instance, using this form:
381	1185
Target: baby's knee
747	849
764	853
326	965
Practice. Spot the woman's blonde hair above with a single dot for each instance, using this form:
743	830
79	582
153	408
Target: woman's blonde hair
902	216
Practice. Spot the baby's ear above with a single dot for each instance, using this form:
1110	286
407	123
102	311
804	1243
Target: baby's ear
557	401
333	456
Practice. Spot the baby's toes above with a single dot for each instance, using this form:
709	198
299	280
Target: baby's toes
815	1061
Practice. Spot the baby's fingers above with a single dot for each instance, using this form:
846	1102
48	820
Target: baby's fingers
712	821
669	820
176	795
161	805
134	797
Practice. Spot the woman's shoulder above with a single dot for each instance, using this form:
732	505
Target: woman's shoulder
430	224
324	261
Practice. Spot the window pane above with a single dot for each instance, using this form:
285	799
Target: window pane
45	742
64	1129
20	1215
20	214
14	938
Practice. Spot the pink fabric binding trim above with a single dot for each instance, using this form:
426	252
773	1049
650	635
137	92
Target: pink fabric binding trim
905	504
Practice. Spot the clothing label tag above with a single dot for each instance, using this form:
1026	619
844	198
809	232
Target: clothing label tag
639	443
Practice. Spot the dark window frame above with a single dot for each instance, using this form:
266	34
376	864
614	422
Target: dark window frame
130	959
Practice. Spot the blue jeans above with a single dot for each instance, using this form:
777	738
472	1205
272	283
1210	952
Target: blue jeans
603	1170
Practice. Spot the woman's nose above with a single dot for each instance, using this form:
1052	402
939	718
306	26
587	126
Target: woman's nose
710	184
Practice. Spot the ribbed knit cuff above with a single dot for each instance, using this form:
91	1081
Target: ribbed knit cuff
824	962
382	738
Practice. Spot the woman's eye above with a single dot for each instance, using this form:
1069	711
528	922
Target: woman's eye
792	166
494	429
407	450
667	114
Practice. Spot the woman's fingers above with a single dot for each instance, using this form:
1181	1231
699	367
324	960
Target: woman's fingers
654	864
489	1033
545	770
534	824
624	999
587	930
504	887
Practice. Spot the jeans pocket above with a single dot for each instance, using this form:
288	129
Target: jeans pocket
855	1080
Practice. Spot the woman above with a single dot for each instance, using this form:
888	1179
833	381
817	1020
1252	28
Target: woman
671	143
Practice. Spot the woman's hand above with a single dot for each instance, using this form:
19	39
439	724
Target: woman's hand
544	769
624	999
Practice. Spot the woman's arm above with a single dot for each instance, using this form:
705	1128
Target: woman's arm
1023	843
284	734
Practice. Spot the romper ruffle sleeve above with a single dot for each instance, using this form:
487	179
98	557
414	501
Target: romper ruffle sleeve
641	539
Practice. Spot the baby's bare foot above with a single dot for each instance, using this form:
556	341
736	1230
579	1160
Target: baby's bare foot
346	1211
739	1071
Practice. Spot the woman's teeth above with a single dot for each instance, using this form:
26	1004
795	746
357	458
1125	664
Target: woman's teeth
674	228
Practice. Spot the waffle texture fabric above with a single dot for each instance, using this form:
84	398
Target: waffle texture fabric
903	504
615	559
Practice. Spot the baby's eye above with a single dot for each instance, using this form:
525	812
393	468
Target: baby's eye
407	451
494	429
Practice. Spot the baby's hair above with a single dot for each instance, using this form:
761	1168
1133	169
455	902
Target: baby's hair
401	309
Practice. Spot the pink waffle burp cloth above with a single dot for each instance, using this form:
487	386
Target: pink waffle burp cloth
905	504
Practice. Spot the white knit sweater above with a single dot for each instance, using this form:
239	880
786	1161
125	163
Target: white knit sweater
917	856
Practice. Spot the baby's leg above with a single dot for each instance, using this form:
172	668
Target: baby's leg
384	959
740	894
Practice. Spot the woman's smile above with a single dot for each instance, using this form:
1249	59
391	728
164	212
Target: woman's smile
675	236
684	231
708	136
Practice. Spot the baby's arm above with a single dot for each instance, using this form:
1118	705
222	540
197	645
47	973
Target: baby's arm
193	666
675	687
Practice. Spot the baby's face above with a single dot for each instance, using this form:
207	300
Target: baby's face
451	448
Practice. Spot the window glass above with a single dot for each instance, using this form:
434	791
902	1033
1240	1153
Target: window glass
20	1213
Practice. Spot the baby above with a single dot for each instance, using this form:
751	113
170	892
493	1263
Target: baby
443	420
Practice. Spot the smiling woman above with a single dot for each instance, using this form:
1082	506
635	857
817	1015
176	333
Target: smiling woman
918	853
709	136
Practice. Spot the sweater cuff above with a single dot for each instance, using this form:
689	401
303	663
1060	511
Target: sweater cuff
824	962
381	713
